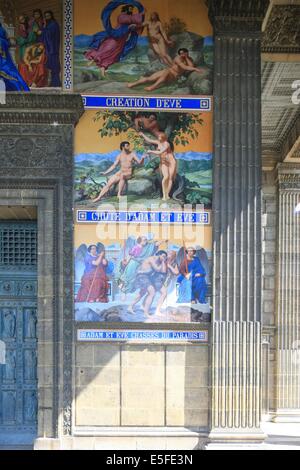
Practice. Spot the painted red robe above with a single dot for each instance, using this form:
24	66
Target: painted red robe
94	285
110	50
38	75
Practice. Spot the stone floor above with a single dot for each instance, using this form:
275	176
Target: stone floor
282	436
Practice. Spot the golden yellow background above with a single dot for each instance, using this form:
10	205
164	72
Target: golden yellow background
117	233
87	14
88	140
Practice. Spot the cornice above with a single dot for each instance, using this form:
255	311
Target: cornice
41	108
237	16
288	176
270	160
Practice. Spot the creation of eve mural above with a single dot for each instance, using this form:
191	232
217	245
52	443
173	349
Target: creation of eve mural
144	47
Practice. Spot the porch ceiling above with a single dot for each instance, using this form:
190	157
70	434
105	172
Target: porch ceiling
18	213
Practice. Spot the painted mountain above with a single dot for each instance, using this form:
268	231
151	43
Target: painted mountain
193	183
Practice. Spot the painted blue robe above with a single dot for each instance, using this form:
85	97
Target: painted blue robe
120	32
195	288
8	71
51	38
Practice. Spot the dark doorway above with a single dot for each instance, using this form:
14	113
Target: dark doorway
18	333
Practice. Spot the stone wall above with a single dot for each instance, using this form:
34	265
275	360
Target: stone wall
142	385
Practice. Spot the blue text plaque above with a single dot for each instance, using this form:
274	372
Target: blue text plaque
144	217
152	336
144	103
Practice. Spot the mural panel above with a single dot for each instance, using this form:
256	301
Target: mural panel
142	47
30	44
142	273
143	195
152	159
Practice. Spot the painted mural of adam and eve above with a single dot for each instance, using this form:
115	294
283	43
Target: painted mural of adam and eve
146	280
143	54
30	52
152	164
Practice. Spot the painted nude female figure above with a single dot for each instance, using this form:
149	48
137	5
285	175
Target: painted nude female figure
168	164
158	38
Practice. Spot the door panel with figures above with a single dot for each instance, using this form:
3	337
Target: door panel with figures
18	333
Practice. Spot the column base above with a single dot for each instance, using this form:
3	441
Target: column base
235	437
47	444
286	416
231	446
130	441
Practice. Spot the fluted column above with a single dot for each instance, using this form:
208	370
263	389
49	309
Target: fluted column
288	296
236	335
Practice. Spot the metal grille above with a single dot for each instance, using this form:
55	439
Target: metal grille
18	246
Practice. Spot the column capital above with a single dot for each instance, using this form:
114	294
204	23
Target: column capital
41	108
288	176
237	16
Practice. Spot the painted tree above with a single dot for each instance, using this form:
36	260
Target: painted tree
179	128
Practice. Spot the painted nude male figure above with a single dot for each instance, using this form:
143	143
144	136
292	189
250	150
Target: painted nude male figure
125	160
168	164
170	281
150	279
181	64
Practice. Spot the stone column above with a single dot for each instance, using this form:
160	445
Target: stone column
236	329
288	296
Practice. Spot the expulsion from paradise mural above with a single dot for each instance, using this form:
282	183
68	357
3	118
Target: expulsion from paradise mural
134	275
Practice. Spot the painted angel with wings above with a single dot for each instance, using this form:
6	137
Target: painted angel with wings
94	282
135	252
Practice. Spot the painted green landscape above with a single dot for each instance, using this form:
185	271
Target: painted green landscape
143	62
193	184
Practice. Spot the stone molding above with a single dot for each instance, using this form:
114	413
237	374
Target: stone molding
41	108
41	149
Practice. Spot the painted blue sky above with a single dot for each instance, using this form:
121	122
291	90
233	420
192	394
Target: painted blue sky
93	157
